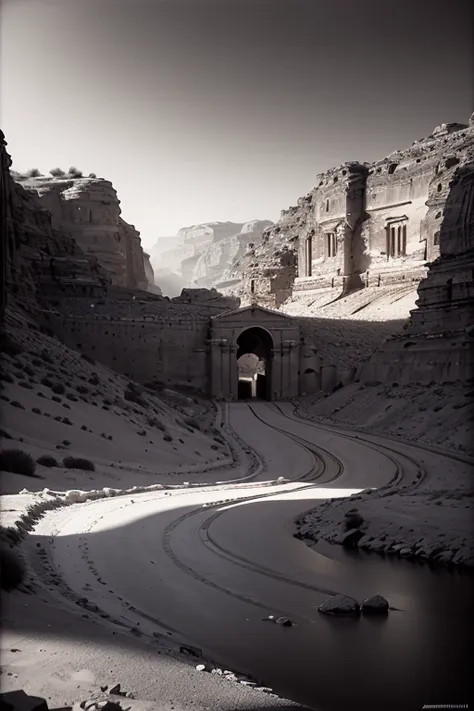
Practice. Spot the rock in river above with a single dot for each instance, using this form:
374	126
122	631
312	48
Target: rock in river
376	603
340	605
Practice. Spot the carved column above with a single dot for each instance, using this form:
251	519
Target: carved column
226	370
234	374
216	367
293	381
276	374
285	370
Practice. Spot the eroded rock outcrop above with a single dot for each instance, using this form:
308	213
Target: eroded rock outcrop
207	254
88	209
40	260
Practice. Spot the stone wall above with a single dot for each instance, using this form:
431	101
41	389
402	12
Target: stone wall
88	209
362	224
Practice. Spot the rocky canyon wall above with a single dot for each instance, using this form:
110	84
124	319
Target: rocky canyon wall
206	255
40	260
88	209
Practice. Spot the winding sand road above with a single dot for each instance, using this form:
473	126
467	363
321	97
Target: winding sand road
184	567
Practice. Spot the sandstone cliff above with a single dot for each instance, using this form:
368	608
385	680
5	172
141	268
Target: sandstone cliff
39	259
207	254
88	209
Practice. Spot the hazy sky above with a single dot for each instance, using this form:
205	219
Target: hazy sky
202	110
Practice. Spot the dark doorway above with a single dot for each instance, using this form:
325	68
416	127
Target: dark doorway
245	389
254	360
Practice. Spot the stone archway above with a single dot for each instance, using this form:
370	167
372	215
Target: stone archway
257	341
254	329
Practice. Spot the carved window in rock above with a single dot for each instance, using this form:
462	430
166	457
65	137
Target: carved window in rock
327	205
396	240
436	238
331	244
309	256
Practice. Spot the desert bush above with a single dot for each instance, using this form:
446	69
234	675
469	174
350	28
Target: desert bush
7	378
56	398
92	175
33	173
87	358
71	397
79	463
11	565
46	382
46	356
73	172
58	389
17	461
82	389
191	422
36	410
8	345
15	403
5	435
25	384
47	460
167	438
57	172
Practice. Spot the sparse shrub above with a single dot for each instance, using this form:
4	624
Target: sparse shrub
84	427
66	406
47	460
17	461
36	410
66	442
71	397
46	357
58	389
94	380
9	346
11	565
17	404
191	422
33	173
39	394
58	418
5	435
92	175
56	398
73	172
25	384
105	407
67	421
57	173
142	433
46	382
79	463
82	389
90	360
167	438
7	378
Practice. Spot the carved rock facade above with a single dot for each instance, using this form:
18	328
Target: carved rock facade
437	344
363	224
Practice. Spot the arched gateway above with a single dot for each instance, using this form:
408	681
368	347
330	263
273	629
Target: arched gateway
269	335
